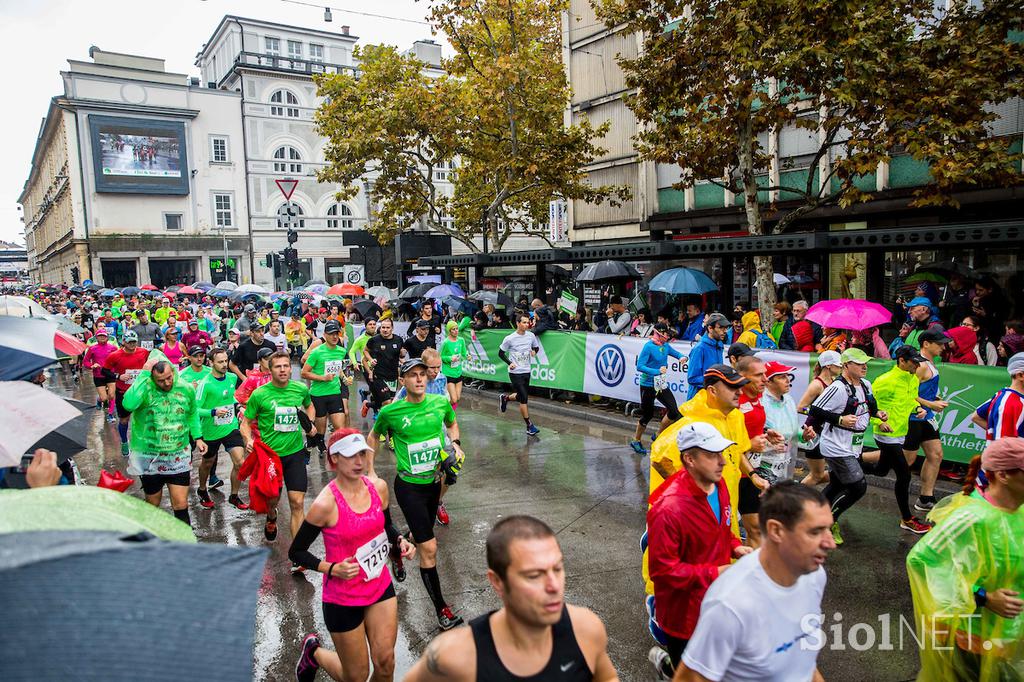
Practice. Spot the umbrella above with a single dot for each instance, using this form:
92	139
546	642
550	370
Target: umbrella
23	347
202	286
380	292
495	298
848	313
416	290
925	276
318	289
76	289
64	324
950	267
174	288
315	281
682	281
226	284
217	292
446	290
461	305
92	286
149	287
67	345
779	279
426	279
346	290
29	413
21	306
608	271
68	439
300	293
87	508
367	309
189	291
130	291
251	289
214	614
109	293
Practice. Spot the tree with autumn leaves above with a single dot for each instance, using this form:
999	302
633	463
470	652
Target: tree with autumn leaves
496	110
867	79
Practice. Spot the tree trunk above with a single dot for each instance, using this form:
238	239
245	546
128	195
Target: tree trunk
762	264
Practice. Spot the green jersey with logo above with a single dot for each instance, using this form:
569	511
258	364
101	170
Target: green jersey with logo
418	431
326	360
212	394
193	377
276	411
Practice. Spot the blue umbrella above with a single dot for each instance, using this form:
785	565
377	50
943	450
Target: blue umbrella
444	291
682	281
460	304
26	346
109	293
130	291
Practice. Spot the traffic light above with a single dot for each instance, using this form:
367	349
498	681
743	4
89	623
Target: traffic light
274	263
293	236
74	274
294	275
291	258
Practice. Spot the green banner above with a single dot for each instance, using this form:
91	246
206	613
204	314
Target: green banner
559	362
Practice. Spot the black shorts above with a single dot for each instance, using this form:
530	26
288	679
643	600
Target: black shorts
750	497
119	405
647	397
344	390
340	618
920	432
418	502
327	404
154	483
232	440
102	381
521	385
813	453
295	477
454	380
380	392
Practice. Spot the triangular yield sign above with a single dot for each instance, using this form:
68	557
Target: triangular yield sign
287	187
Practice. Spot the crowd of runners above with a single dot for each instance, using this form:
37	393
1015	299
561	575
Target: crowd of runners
735	548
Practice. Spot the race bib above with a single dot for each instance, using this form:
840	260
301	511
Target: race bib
773	466
456	360
392	385
660	382
228	418
335	367
372	557
858	443
521	358
146	345
131	375
424	456
286	419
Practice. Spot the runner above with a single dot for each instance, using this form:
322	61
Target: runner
781	416
896	393
147	332
828	367
652	366
841	414
196	370
245	356
355	354
381	358
274	408
418	341
95	357
756	615
709	350
924	430
164	416
417	426
535	635
219	422
255	378
357	612
763	443
453	352
517	350
173	349
325	368
1002	415
125	364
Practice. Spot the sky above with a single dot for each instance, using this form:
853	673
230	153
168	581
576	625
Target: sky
39	37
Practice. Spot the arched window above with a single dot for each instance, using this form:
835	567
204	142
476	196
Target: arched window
284	103
285	160
282	215
339	215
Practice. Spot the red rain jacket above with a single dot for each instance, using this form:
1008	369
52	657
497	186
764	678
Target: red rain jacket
264	466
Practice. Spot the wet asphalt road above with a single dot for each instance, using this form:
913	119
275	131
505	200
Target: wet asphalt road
584	481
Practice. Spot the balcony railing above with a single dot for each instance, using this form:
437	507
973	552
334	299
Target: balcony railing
283	64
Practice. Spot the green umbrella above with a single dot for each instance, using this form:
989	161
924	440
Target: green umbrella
86	507
925	277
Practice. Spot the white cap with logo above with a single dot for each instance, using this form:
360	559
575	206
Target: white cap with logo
701	435
349	446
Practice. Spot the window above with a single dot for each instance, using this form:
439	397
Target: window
279	99
222	216
447	220
282	214
316	52
295	49
445	171
172	221
272	46
286	154
219	149
344	222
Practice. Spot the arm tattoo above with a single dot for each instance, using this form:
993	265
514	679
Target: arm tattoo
433	664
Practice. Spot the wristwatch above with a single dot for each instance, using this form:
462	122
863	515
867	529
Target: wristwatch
980	597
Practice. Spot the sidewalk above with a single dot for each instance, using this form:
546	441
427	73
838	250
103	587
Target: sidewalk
583	413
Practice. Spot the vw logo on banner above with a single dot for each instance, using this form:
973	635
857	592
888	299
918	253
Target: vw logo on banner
610	364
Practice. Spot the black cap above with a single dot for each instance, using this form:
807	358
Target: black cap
332	327
726	374
661	328
257	327
909	353
739	350
411	364
264	353
195	350
934	336
424	324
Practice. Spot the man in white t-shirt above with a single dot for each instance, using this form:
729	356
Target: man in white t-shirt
518	350
761	620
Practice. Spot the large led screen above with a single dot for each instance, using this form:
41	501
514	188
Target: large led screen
133	155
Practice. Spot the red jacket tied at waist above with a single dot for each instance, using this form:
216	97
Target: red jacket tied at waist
685	546
264	466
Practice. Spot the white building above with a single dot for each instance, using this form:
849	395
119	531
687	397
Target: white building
137	177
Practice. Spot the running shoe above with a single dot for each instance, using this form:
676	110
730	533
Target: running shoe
236	502
442	514
638	447
836	535
111	418
295	568
99	404
662	662
952	474
305	669
398	568
204	499
448	620
124	449
924	504
532	430
270	531
215	482
915	525
365	409
502	402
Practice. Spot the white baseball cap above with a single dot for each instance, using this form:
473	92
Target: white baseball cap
701	435
349	446
830	358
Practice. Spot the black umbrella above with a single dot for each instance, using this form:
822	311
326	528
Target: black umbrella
367	309
949	267
203	286
174	288
130	291
608	271
69	438
417	290
495	298
56	587
93	287
77	289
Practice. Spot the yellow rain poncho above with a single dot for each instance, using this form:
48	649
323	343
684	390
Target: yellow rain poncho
974	544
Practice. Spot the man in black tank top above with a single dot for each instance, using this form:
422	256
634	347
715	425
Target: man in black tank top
535	636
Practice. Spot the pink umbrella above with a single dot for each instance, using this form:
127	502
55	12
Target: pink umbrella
848	313
189	291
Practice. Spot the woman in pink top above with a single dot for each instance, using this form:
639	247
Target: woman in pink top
95	357
173	348
359	600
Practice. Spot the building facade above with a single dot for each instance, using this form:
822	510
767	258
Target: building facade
136	178
13	263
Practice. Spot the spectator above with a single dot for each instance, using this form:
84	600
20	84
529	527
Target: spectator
480	321
782	326
806	334
642	324
691	324
870	341
1009	345
753	335
619	318
990	305
832	339
962	351
543	317
985	350
706	352
581	321
920	319
735	328
957	303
